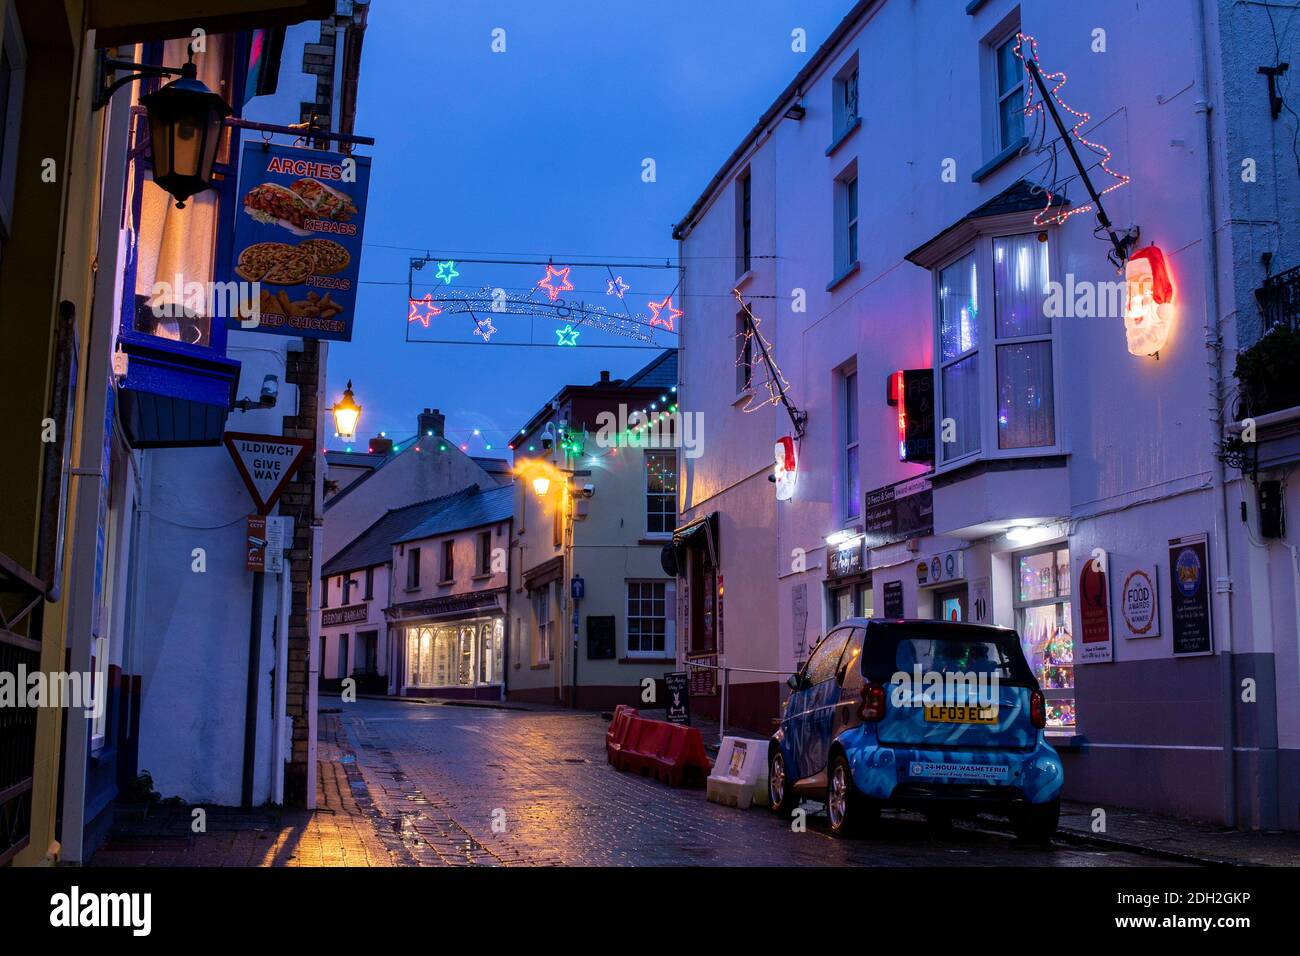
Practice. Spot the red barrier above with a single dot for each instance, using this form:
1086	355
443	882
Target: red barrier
671	753
617	731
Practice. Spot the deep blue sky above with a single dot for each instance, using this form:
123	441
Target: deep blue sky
538	151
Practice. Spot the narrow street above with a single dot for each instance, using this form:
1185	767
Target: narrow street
435	776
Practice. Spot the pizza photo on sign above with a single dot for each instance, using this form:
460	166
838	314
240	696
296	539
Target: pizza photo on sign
329	256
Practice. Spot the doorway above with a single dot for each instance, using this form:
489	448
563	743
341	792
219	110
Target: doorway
950	604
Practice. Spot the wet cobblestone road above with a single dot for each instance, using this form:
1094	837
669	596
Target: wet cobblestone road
450	785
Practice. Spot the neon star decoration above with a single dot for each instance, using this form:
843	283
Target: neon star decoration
1035	105
484	328
617	287
666	305
422	310
447	271
567	335
553	273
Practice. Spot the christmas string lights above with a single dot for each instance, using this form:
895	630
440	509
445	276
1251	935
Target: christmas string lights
422	310
567	335
617	287
1035	104
774	383
553	273
447	271
499	302
484	328
665	305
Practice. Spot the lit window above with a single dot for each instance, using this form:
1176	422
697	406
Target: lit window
660	492
1042	602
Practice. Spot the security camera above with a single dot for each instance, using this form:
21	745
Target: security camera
588	490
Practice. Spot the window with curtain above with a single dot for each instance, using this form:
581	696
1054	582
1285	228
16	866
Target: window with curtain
1022	333
959	341
850	507
996	365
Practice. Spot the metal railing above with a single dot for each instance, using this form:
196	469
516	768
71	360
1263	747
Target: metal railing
22	603
724	683
1279	299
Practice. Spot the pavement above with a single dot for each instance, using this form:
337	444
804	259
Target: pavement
437	784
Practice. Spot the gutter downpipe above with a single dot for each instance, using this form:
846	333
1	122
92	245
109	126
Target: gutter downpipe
1214	343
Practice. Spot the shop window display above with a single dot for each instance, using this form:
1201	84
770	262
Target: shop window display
1043	620
465	655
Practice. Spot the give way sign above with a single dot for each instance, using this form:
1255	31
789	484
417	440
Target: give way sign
266	463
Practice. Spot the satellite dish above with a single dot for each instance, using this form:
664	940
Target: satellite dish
668	560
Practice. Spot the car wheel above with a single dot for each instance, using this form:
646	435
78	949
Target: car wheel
780	792
848	810
1036	823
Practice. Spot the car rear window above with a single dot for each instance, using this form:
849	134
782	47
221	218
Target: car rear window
944	649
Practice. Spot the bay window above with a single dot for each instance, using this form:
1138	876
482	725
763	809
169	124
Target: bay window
996	376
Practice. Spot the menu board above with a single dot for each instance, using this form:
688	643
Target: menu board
298	232
1189	595
898	512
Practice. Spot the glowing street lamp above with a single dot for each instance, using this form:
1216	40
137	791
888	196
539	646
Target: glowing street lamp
541	486
346	414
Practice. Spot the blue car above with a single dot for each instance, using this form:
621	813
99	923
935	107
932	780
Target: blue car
936	716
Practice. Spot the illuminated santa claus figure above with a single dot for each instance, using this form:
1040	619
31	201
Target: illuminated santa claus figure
1149	316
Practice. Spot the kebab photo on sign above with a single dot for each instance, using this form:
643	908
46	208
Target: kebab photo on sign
290	264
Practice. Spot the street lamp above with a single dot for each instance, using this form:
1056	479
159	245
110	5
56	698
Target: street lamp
541	486
346	414
185	123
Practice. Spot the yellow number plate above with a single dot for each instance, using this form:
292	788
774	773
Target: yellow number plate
961	714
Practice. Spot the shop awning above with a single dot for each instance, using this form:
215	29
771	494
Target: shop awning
699	532
122	22
448	608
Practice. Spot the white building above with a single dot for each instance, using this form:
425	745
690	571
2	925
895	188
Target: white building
905	230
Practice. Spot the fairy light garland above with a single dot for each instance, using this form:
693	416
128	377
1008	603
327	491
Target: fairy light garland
774	383
1034	104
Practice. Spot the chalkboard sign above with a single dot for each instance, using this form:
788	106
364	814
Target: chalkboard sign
678	704
600	638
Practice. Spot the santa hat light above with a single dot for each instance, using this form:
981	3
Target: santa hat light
1149	315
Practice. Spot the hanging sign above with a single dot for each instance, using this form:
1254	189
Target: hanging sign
1138	598
912	391
1189	595
298	232
266	463
785	469
1095	645
898	512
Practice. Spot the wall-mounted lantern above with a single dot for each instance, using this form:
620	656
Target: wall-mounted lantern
185	123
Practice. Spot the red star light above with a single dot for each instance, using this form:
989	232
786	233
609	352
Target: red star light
553	273
656	319
422	310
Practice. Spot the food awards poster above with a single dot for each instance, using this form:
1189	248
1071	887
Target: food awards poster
298	231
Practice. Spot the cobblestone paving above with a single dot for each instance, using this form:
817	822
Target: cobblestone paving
468	786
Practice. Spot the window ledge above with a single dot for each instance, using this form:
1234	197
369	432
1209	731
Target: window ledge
656	538
445	581
743	396
481	577
1067	741
540	667
743	278
987	170
647	660
848	131
857	264
973	7
408	589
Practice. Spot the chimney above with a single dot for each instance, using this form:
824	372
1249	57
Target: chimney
604	377
432	422
379	445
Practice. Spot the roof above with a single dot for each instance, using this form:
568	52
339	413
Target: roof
374	545
354	459
466	510
1020	196
659	373
792	91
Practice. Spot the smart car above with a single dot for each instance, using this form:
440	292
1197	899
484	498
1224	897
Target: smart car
936	716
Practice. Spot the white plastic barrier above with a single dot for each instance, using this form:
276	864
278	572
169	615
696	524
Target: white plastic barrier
739	775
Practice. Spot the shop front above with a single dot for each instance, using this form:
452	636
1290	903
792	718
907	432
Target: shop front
848	583
452	647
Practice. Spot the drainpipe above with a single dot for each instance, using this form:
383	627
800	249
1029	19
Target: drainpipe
1214	345
279	714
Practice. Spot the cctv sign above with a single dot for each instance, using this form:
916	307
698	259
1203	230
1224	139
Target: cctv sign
266	463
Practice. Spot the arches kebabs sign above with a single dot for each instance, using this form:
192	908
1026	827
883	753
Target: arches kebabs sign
298	232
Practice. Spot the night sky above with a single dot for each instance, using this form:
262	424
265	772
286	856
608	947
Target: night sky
537	153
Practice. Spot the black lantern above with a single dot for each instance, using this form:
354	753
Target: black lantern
185	125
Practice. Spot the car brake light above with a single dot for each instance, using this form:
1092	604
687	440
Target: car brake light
872	708
1037	709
